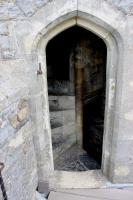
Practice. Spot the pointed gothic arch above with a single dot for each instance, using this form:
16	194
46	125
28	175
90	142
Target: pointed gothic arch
110	37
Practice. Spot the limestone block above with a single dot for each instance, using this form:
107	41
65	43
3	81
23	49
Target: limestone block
3	11
125	6
56	119
4	29
0	122
8	54
57	131
68	117
40	3
14	121
7	46
8	10
69	129
2	97
4	42
124	152
22	114
20	164
61	102
123	173
28	7
17	141
23	103
126	128
66	6
102	10
62	118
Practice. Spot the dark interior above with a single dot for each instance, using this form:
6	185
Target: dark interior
61	53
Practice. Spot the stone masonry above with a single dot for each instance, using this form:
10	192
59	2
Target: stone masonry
25	136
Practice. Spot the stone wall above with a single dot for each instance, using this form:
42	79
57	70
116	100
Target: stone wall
16	126
21	24
16	139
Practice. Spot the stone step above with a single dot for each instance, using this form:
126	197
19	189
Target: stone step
60	146
61	118
63	131
91	194
57	103
63	196
67	179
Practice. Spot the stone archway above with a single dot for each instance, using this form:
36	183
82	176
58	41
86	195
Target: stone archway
76	74
48	175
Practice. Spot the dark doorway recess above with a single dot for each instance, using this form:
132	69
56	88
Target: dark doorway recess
76	74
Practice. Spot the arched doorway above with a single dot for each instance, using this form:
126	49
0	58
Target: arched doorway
47	173
76	73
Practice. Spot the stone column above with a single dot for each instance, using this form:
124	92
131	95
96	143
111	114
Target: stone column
79	70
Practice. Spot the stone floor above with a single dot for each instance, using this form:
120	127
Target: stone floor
92	194
75	159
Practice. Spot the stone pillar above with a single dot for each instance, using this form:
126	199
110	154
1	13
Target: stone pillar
79	70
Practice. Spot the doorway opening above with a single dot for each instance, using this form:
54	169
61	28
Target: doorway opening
76	74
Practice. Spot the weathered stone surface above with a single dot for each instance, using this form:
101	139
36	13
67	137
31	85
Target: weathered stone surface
14	9
89	194
20	175
40	196
29	7
8	10
16	142
22	25
1	122
61	102
23	103
14	121
125	5
22	114
4	28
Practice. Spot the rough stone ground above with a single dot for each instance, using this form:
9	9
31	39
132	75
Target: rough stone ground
75	159
92	194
